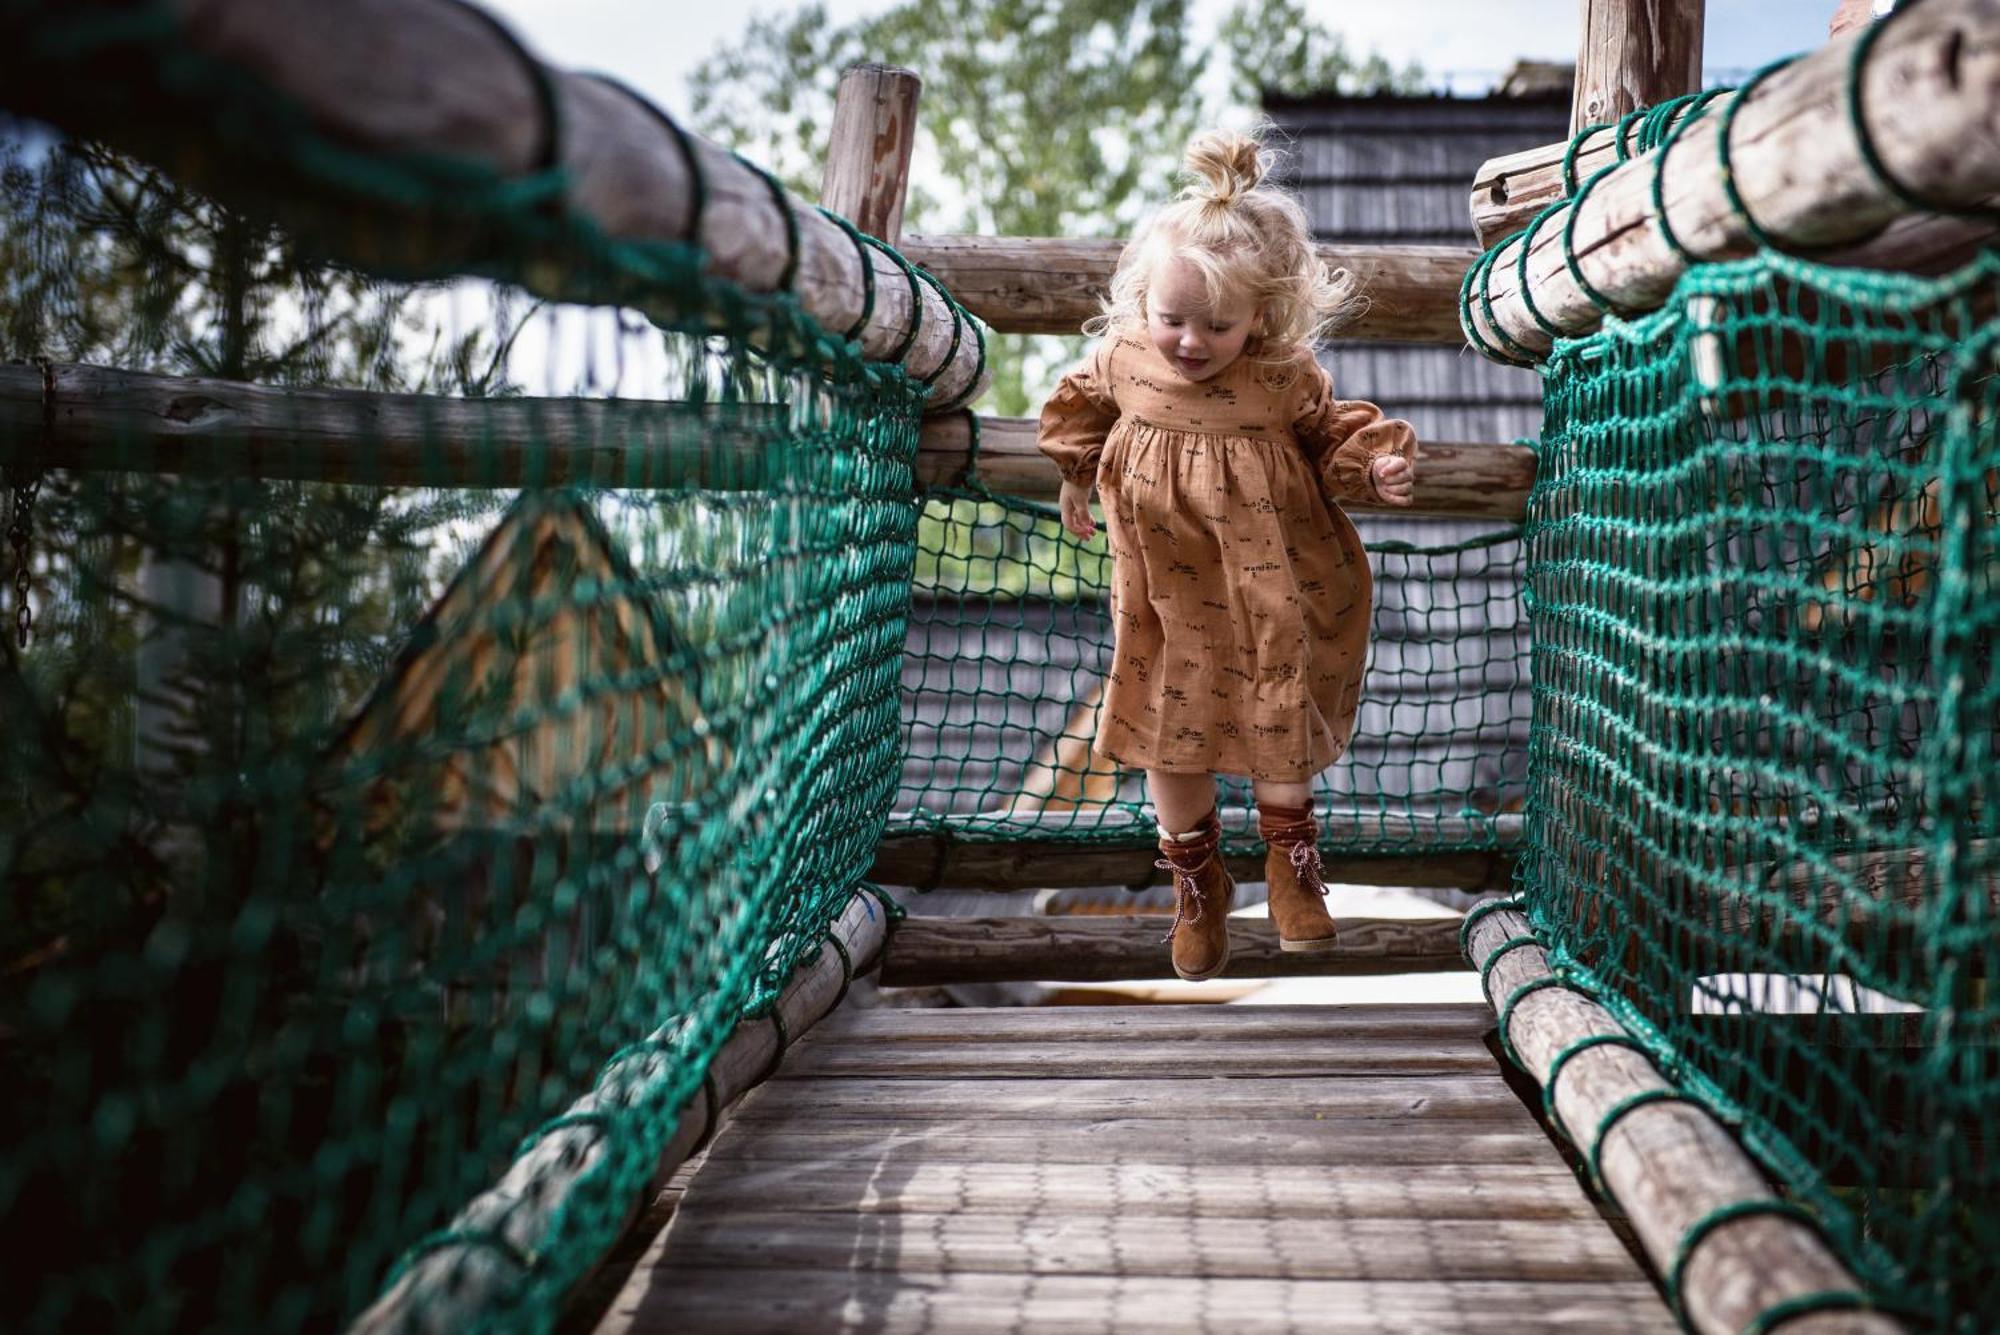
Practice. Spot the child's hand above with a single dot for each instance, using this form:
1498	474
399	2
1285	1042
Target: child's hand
1075	505
1395	479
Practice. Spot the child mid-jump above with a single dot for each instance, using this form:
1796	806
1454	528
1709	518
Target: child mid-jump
1239	592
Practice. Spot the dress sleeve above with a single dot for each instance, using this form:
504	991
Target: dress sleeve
1078	416
1343	438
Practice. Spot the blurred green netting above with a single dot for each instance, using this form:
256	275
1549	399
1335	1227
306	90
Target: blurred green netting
1010	638
1762	578
353	829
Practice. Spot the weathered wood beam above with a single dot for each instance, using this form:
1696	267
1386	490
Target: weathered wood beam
1634	53
1074	949
1508	191
1668	1163
450	1288
1490	481
1051	285
97	418
1931	93
933	860
441	81
868	151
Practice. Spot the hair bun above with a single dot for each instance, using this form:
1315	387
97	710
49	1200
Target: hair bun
1225	167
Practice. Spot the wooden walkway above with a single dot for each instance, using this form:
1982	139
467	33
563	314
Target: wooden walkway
1197	1168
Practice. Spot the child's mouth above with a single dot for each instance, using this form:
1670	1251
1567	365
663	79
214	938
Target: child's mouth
1191	363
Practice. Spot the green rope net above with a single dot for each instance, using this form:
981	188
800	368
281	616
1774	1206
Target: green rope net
1010	639
491	726
1761	582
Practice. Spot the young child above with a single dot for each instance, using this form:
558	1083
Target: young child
1240	593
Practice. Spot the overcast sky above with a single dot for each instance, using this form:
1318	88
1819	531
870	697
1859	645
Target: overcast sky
654	44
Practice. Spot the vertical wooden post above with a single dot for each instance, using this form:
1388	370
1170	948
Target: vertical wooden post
1634	53
868	153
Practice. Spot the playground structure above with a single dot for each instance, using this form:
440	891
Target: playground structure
592	852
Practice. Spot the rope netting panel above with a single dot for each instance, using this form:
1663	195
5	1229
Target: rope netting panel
1010	639
1762	579
363	805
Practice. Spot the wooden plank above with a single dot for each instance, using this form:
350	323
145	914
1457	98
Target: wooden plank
867	173
1051	285
454	1284
1667	1163
1066	1025
1634	53
1417	1099
1928	93
436	81
1076	949
1306	1144
1153	1246
1216	1191
1473	480
1200	1059
910	1302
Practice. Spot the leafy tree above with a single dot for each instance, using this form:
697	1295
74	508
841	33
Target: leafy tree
1039	117
1276	46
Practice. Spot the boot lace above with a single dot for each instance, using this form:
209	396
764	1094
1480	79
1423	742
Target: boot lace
1305	865
1187	890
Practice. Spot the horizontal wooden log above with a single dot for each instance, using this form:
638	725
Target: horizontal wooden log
97	418
1508	191
949	858
1051	285
448	1288
1069	949
1668	1163
415	81
1474	481
1931	91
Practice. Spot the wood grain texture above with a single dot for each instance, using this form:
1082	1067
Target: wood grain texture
868	149
1211	1191
1480	480
1634	53
912	1302
440	82
1112	1192
448	1287
1667	1164
1051	285
1076	949
1931	89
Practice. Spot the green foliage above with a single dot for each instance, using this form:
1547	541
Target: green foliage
1276	46
1038	117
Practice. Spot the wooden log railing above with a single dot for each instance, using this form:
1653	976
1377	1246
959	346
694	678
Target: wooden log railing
1668	1163
454	1286
1051	285
1930	86
96	418
1024	861
1080	949
415	80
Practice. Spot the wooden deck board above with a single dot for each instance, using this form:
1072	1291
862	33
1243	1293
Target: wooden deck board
1143	1169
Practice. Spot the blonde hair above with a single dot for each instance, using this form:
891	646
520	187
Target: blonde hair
1247	239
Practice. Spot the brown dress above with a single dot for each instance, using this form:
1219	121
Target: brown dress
1240	594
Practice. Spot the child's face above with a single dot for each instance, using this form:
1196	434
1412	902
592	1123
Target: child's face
1198	339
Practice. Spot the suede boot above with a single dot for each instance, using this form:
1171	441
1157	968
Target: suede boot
1202	891
1291	866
